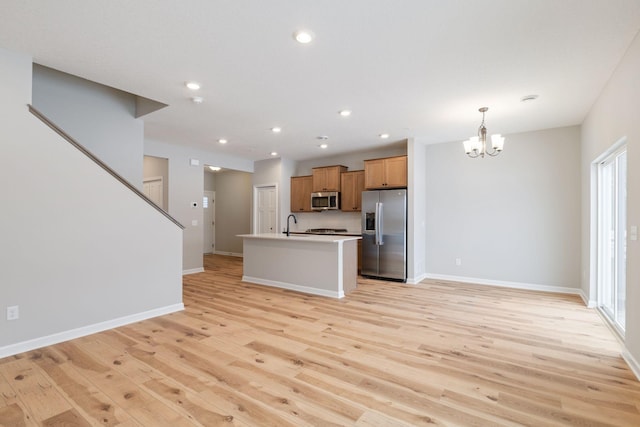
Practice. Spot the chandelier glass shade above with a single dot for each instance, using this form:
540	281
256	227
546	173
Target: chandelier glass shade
476	146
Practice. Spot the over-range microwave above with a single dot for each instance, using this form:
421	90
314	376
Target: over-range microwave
325	201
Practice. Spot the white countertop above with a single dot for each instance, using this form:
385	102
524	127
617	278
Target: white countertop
321	238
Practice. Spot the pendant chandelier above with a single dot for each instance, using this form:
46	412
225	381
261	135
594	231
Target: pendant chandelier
476	146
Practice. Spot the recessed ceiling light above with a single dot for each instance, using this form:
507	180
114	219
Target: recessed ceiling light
529	98
384	135
345	113
303	36
273	153
197	99
222	141
323	146
276	130
215	168
193	85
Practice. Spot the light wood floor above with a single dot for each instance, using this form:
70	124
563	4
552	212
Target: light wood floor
387	355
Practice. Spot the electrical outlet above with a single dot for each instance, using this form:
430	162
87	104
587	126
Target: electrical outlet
458	261
13	312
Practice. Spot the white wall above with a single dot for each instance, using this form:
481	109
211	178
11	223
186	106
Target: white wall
186	186
100	118
80	252
352	221
234	193
514	218
615	115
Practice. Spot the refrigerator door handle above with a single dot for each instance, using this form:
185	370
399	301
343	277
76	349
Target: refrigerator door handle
379	231
377	226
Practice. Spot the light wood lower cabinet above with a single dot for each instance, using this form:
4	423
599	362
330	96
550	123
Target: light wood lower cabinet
301	193
352	188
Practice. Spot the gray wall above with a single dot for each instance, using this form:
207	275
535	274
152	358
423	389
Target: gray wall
80	252
209	181
270	172
186	187
513	218
416	211
100	118
615	116
287	170
154	167
354	161
233	209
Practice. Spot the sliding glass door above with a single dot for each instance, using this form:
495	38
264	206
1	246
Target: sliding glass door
612	239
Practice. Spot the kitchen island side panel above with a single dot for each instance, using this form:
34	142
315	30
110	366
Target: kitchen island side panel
300	264
349	265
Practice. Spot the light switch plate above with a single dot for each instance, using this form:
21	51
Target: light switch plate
634	233
13	312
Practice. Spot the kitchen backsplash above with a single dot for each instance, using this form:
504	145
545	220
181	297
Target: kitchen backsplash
349	220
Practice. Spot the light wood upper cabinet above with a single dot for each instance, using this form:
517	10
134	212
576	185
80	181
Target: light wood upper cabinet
327	178
301	193
390	172
374	173
351	193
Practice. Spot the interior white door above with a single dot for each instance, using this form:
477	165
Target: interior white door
209	219
266	210
152	188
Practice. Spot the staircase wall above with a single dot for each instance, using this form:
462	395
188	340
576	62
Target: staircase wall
79	252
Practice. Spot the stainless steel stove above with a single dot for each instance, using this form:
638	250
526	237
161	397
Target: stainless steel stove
326	230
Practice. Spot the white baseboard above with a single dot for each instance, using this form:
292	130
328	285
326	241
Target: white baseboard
292	287
416	280
237	254
632	362
505	284
589	303
59	337
193	271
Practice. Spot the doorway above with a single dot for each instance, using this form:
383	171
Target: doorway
154	189
612	236
155	180
209	222
266	209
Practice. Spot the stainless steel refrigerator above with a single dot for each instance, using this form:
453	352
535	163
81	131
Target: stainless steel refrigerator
384	234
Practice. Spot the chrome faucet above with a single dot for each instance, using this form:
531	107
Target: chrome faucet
294	220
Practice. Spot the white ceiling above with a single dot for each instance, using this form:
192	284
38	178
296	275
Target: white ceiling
410	68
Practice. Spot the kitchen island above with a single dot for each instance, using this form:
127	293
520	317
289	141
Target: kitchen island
316	264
